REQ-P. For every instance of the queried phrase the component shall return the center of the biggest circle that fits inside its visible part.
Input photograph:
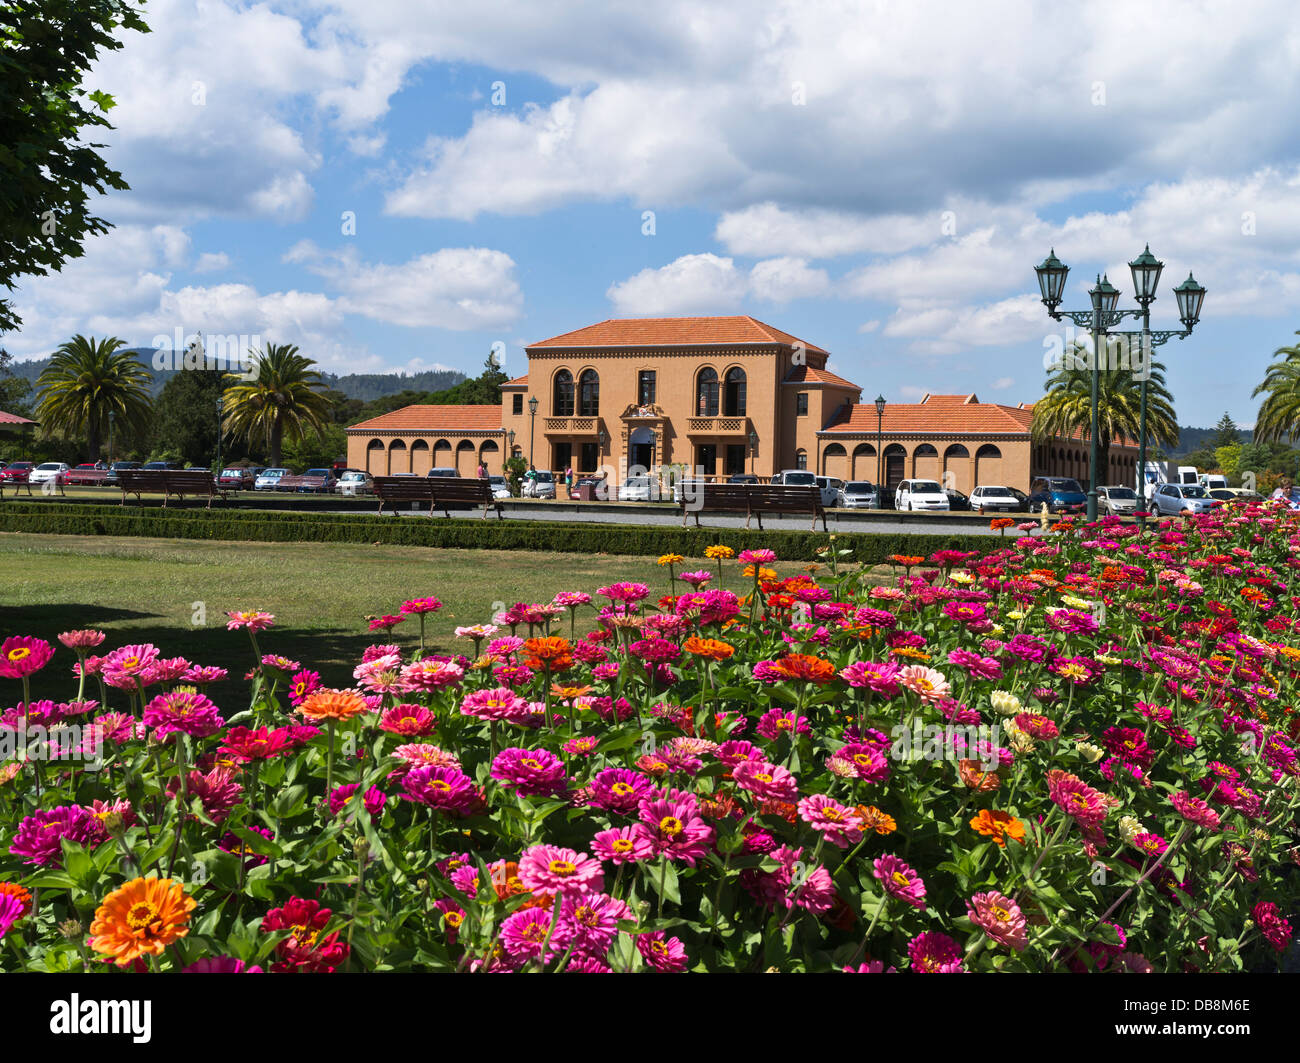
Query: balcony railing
(571, 425)
(717, 426)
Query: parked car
(87, 474)
(1172, 499)
(314, 482)
(443, 470)
(795, 478)
(160, 466)
(500, 486)
(1060, 493)
(110, 477)
(353, 482)
(957, 500)
(596, 483)
(269, 479)
(1020, 497)
(1211, 480)
(639, 489)
(830, 488)
(541, 487)
(1117, 501)
(237, 478)
(1235, 494)
(17, 472)
(859, 494)
(49, 472)
(920, 494)
(742, 478)
(994, 499)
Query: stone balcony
(718, 426)
(571, 426)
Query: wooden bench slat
(755, 500)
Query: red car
(17, 471)
(88, 474)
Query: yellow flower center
(622, 845)
(562, 867)
(900, 879)
(141, 917)
(19, 652)
(670, 825)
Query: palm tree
(86, 382)
(1279, 413)
(1066, 409)
(280, 400)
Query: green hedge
(456, 533)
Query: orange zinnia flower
(1001, 522)
(906, 560)
(144, 916)
(564, 693)
(874, 819)
(333, 705)
(551, 653)
(999, 826)
(803, 666)
(973, 775)
(20, 892)
(713, 649)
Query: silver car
(639, 489)
(1117, 501)
(270, 479)
(541, 487)
(1173, 499)
(355, 482)
(859, 494)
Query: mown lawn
(154, 590)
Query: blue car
(1061, 494)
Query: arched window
(733, 398)
(588, 394)
(706, 393)
(801, 459)
(562, 399)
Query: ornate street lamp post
(218, 470)
(880, 451)
(753, 448)
(532, 429)
(1099, 320)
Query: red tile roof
(518, 382)
(13, 418)
(949, 400)
(807, 374)
(421, 418)
(673, 332)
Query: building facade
(715, 396)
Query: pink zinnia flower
(524, 933)
(676, 828)
(432, 674)
(837, 823)
(221, 965)
(618, 789)
(373, 800)
(999, 917)
(252, 619)
(1076, 798)
(756, 557)
(589, 921)
(532, 772)
(771, 782)
(1275, 929)
(38, 839)
(181, 711)
(443, 788)
(421, 605)
(1194, 810)
(935, 953)
(500, 703)
(202, 675)
(83, 639)
(127, 668)
(899, 880)
(552, 869)
(775, 722)
(664, 954)
(21, 655)
(624, 845)
(410, 721)
(925, 683)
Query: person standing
(482, 469)
(568, 476)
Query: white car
(500, 486)
(994, 499)
(830, 488)
(1172, 499)
(639, 489)
(48, 472)
(541, 487)
(795, 478)
(270, 479)
(920, 494)
(354, 482)
(859, 494)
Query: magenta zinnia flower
(837, 823)
(253, 620)
(182, 711)
(444, 788)
(21, 655)
(551, 869)
(220, 965)
(935, 953)
(899, 880)
(624, 845)
(501, 703)
(39, 837)
(524, 933)
(421, 605)
(999, 917)
(589, 922)
(676, 828)
(768, 781)
(1194, 810)
(1275, 929)
(664, 954)
(340, 797)
(532, 772)
(11, 910)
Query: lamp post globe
(880, 457)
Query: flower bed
(1075, 752)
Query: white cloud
(1003, 382)
(454, 288)
(869, 326)
(691, 284)
(212, 262)
(779, 280)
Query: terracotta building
(718, 395)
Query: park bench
(753, 500)
(441, 492)
(178, 482)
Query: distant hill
(1190, 439)
(364, 386)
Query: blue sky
(877, 178)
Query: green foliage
(67, 518)
(186, 420)
(49, 164)
(316, 449)
(278, 400)
(87, 383)
(515, 469)
(15, 391)
(1225, 432)
(1228, 458)
(1279, 414)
